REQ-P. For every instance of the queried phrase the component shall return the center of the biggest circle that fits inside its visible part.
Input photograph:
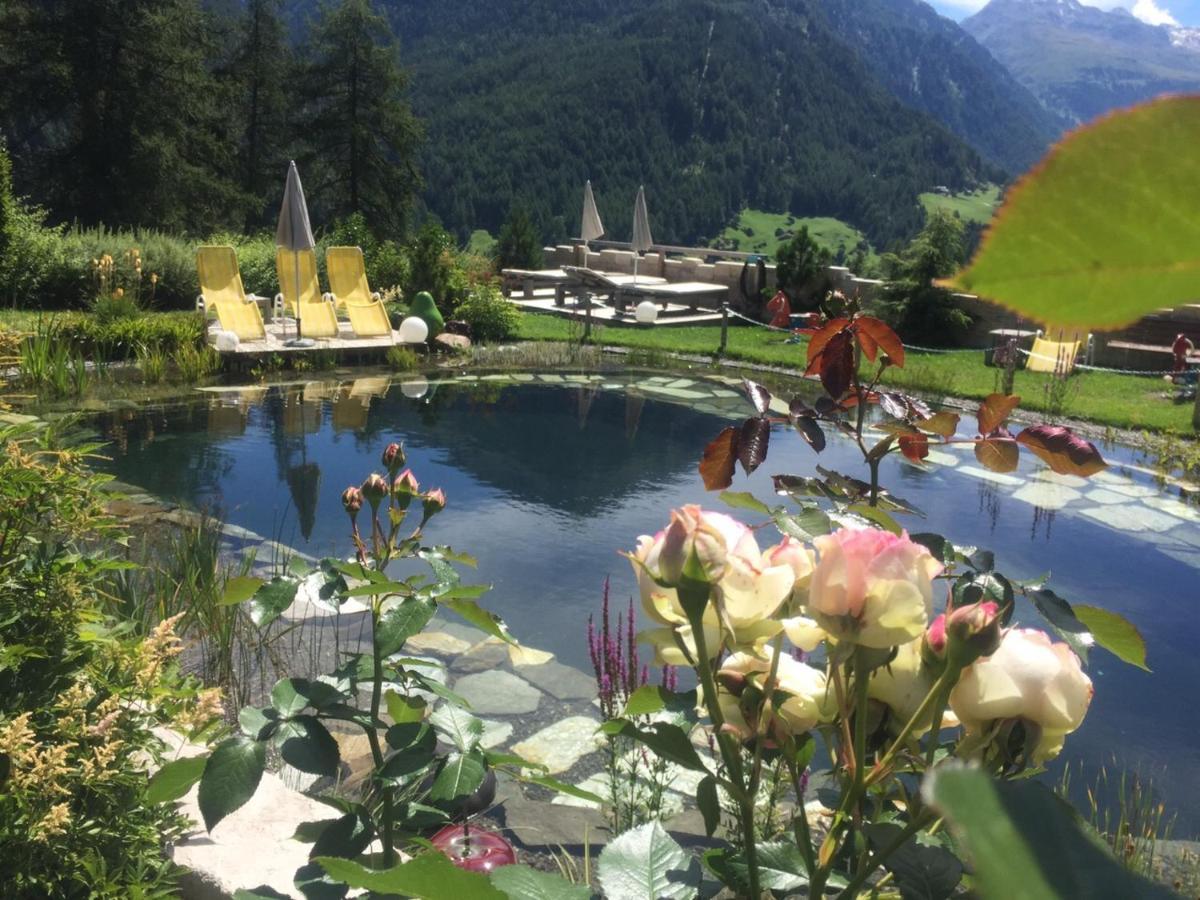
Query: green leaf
(230, 778)
(1114, 633)
(430, 876)
(373, 588)
(668, 741)
(808, 523)
(346, 837)
(744, 500)
(306, 744)
(524, 883)
(650, 698)
(645, 863)
(259, 724)
(404, 709)
(1061, 617)
(414, 744)
(476, 615)
(460, 775)
(562, 787)
(709, 803)
(780, 867)
(876, 515)
(262, 892)
(1102, 232)
(1025, 843)
(461, 592)
(922, 872)
(239, 589)
(401, 622)
(286, 699)
(462, 729)
(270, 600)
(175, 779)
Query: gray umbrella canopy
(642, 241)
(590, 229)
(294, 232)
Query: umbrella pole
(297, 296)
(636, 257)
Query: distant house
(942, 189)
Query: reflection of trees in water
(989, 504)
(1041, 517)
(173, 456)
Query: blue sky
(1183, 12)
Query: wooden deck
(280, 331)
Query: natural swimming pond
(549, 476)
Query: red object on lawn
(780, 308)
(474, 850)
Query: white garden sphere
(227, 341)
(413, 330)
(415, 389)
(647, 312)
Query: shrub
(801, 269)
(519, 246)
(77, 701)
(194, 363)
(490, 315)
(403, 359)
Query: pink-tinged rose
(902, 686)
(393, 457)
(711, 536)
(800, 559)
(871, 587)
(1028, 677)
(747, 588)
(374, 489)
(935, 636)
(808, 699)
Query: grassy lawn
(831, 234)
(977, 206)
(1122, 401)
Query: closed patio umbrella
(295, 234)
(590, 228)
(642, 241)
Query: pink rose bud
(972, 632)
(433, 503)
(404, 488)
(393, 457)
(935, 636)
(352, 501)
(374, 489)
(710, 536)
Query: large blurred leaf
(1104, 230)
(1115, 634)
(430, 876)
(524, 883)
(645, 863)
(1025, 843)
(230, 778)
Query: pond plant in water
(413, 789)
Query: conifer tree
(362, 136)
(519, 246)
(114, 114)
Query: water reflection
(548, 480)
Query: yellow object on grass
(1053, 357)
(221, 291)
(348, 284)
(316, 314)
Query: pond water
(549, 476)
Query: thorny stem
(943, 683)
(800, 826)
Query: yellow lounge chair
(317, 317)
(348, 285)
(221, 291)
(1053, 357)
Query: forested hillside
(715, 105)
(931, 64)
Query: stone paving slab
(503, 693)
(560, 746)
(559, 681)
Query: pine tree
(518, 246)
(261, 69)
(113, 113)
(361, 133)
